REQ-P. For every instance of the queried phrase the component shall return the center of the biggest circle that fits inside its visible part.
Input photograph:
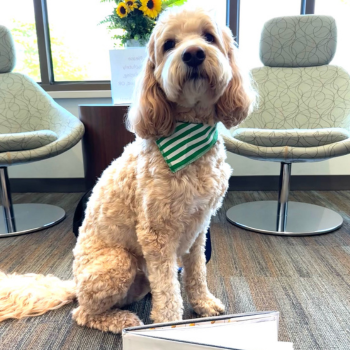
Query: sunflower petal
(122, 10)
(151, 8)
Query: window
(80, 47)
(253, 15)
(340, 10)
(219, 7)
(83, 54)
(61, 45)
(18, 16)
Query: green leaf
(170, 3)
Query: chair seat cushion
(291, 137)
(23, 141)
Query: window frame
(48, 82)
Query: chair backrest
(24, 106)
(7, 51)
(297, 87)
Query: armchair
(303, 116)
(32, 127)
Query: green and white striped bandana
(188, 143)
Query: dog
(143, 215)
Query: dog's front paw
(208, 306)
(110, 321)
(161, 316)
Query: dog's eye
(209, 38)
(168, 45)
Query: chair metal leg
(20, 219)
(282, 208)
(282, 217)
(6, 201)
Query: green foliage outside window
(66, 66)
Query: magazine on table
(251, 331)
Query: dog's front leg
(195, 279)
(160, 254)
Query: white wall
(70, 163)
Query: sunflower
(151, 8)
(122, 10)
(132, 4)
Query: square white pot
(126, 64)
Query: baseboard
(298, 183)
(236, 183)
(60, 185)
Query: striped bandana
(188, 143)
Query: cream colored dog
(141, 217)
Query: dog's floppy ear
(150, 114)
(233, 106)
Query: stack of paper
(126, 65)
(254, 331)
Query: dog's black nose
(193, 56)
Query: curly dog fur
(141, 218)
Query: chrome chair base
(30, 217)
(20, 219)
(302, 219)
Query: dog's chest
(197, 216)
(208, 183)
(204, 197)
(205, 191)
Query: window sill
(81, 94)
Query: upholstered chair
(32, 127)
(303, 115)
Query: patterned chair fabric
(27, 109)
(22, 141)
(303, 113)
(32, 125)
(7, 51)
(298, 41)
(288, 137)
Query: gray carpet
(306, 279)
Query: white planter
(126, 64)
(134, 43)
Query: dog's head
(191, 63)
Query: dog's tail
(32, 294)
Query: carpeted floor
(307, 279)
